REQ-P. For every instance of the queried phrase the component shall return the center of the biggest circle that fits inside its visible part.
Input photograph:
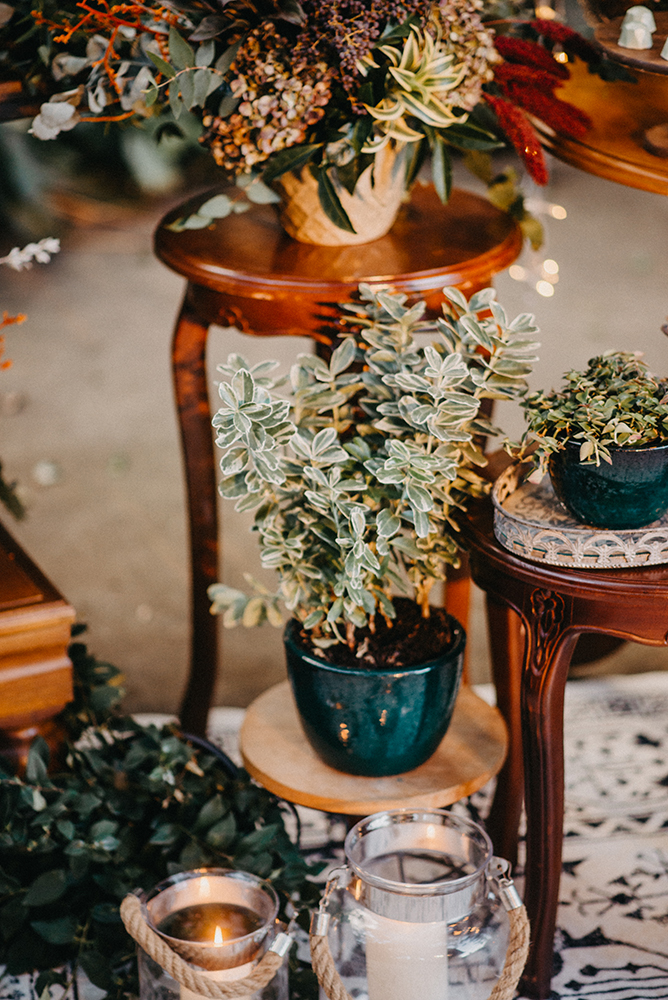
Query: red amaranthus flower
(526, 81)
(518, 129)
(508, 75)
(559, 115)
(570, 41)
(519, 50)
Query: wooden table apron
(555, 605)
(244, 271)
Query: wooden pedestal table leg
(189, 371)
(549, 646)
(507, 643)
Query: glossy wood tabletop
(621, 113)
(248, 258)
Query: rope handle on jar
(516, 952)
(189, 976)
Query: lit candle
(215, 919)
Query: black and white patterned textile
(612, 923)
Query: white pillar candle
(640, 15)
(635, 36)
(220, 976)
(406, 960)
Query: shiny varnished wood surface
(536, 613)
(276, 752)
(274, 285)
(621, 113)
(35, 670)
(244, 271)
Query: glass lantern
(218, 920)
(415, 912)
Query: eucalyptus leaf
(222, 834)
(181, 54)
(205, 52)
(59, 931)
(160, 64)
(47, 888)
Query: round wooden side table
(276, 753)
(621, 113)
(244, 271)
(554, 605)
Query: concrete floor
(88, 428)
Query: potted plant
(319, 92)
(604, 440)
(354, 475)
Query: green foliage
(615, 403)
(354, 476)
(132, 805)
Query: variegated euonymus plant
(615, 402)
(355, 475)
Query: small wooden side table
(244, 271)
(555, 605)
(621, 113)
(276, 753)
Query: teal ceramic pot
(374, 722)
(630, 493)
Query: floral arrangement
(278, 84)
(356, 473)
(615, 402)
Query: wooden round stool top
(277, 754)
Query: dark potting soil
(411, 640)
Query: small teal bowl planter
(375, 722)
(630, 493)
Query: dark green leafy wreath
(130, 805)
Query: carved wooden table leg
(507, 648)
(189, 369)
(550, 641)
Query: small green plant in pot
(603, 438)
(354, 476)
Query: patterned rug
(612, 924)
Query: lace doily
(530, 522)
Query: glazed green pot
(630, 493)
(374, 722)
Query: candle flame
(218, 936)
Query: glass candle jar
(419, 916)
(220, 921)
